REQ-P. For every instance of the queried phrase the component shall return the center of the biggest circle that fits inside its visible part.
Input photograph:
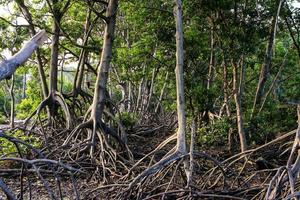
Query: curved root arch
(53, 98)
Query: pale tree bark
(102, 76)
(130, 96)
(287, 176)
(267, 61)
(154, 73)
(237, 98)
(162, 92)
(225, 107)
(180, 148)
(9, 66)
(140, 90)
(12, 102)
(62, 63)
(24, 82)
(124, 100)
(181, 143)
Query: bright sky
(296, 4)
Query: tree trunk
(154, 73)
(225, 105)
(12, 104)
(102, 76)
(62, 73)
(239, 113)
(267, 61)
(162, 92)
(181, 143)
(83, 54)
(140, 90)
(129, 108)
(28, 17)
(54, 52)
(212, 59)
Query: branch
(6, 190)
(8, 67)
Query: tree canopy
(116, 83)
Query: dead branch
(9, 66)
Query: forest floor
(244, 176)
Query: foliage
(127, 119)
(145, 41)
(32, 100)
(214, 133)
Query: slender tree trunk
(145, 94)
(226, 104)
(124, 100)
(102, 76)
(42, 75)
(239, 113)
(181, 143)
(140, 90)
(212, 59)
(54, 53)
(154, 73)
(12, 104)
(162, 92)
(129, 108)
(267, 61)
(62, 74)
(83, 54)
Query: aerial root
(283, 183)
(174, 160)
(39, 166)
(101, 148)
(54, 97)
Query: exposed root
(101, 147)
(52, 100)
(284, 182)
(39, 166)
